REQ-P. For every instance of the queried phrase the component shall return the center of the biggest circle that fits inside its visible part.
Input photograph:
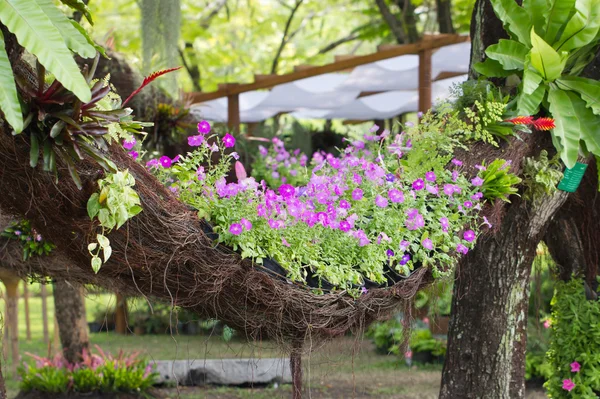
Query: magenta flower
(487, 222)
(374, 128)
(345, 204)
(38, 238)
(468, 204)
(214, 147)
(153, 163)
(381, 201)
(128, 145)
(165, 161)
(246, 223)
(462, 249)
(415, 220)
(430, 176)
(457, 162)
(477, 181)
(432, 189)
(445, 224)
(480, 167)
(418, 184)
(477, 196)
(284, 242)
(235, 229)
(195, 141)
(568, 385)
(454, 175)
(134, 154)
(427, 243)
(200, 173)
(18, 233)
(575, 367)
(287, 190)
(469, 235)
(396, 195)
(404, 245)
(203, 127)
(345, 226)
(547, 324)
(240, 171)
(228, 140)
(357, 194)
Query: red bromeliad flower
(544, 124)
(521, 120)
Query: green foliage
(498, 182)
(542, 175)
(553, 41)
(49, 35)
(31, 240)
(386, 335)
(575, 338)
(423, 341)
(44, 379)
(537, 366)
(116, 203)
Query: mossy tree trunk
(69, 307)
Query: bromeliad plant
(32, 241)
(391, 202)
(551, 43)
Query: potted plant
(425, 348)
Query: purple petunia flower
(418, 184)
(235, 229)
(134, 154)
(477, 181)
(18, 233)
(374, 128)
(228, 140)
(415, 220)
(404, 245)
(430, 176)
(203, 127)
(445, 224)
(345, 204)
(389, 253)
(480, 167)
(200, 173)
(246, 223)
(396, 196)
(457, 162)
(128, 145)
(345, 226)
(195, 141)
(153, 163)
(357, 194)
(568, 385)
(405, 259)
(462, 249)
(409, 124)
(468, 204)
(454, 175)
(165, 161)
(477, 196)
(469, 235)
(390, 177)
(263, 151)
(284, 242)
(487, 222)
(287, 190)
(432, 189)
(427, 243)
(381, 201)
(419, 114)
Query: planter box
(422, 357)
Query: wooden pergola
(424, 49)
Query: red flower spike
(147, 80)
(521, 120)
(544, 124)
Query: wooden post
(44, 295)
(26, 301)
(121, 314)
(296, 369)
(233, 113)
(12, 317)
(424, 80)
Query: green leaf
(91, 42)
(492, 68)
(558, 14)
(538, 12)
(531, 80)
(80, 6)
(34, 151)
(589, 90)
(35, 32)
(96, 264)
(72, 37)
(9, 99)
(92, 247)
(93, 205)
(566, 134)
(529, 104)
(107, 251)
(103, 241)
(509, 53)
(516, 20)
(589, 124)
(545, 59)
(583, 26)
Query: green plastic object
(572, 178)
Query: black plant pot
(95, 327)
(315, 281)
(391, 275)
(273, 268)
(422, 357)
(370, 284)
(208, 230)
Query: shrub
(101, 373)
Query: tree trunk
(26, 303)
(70, 315)
(444, 16)
(44, 296)
(121, 314)
(11, 319)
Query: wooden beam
(414, 48)
(425, 80)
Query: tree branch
(333, 45)
(444, 16)
(206, 21)
(390, 19)
(284, 38)
(192, 70)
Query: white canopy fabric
(336, 95)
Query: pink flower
(165, 161)
(457, 162)
(547, 324)
(432, 189)
(284, 242)
(228, 141)
(418, 184)
(568, 385)
(477, 181)
(287, 190)
(364, 290)
(345, 226)
(374, 128)
(408, 354)
(426, 320)
(357, 194)
(128, 145)
(246, 223)
(200, 173)
(381, 201)
(133, 154)
(469, 235)
(396, 195)
(427, 243)
(462, 249)
(445, 224)
(240, 171)
(430, 176)
(203, 127)
(195, 141)
(575, 367)
(235, 229)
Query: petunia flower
(373, 129)
(395, 195)
(203, 127)
(432, 189)
(469, 235)
(195, 141)
(235, 229)
(381, 201)
(284, 242)
(427, 243)
(418, 184)
(134, 154)
(404, 260)
(228, 140)
(246, 223)
(568, 385)
(287, 190)
(547, 323)
(462, 249)
(445, 224)
(165, 161)
(430, 176)
(456, 162)
(389, 253)
(477, 181)
(575, 367)
(128, 145)
(357, 194)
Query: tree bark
(69, 308)
(444, 16)
(394, 24)
(11, 319)
(121, 314)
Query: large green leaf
(74, 39)
(492, 68)
(80, 6)
(589, 124)
(516, 19)
(545, 59)
(538, 12)
(35, 32)
(583, 26)
(558, 14)
(529, 104)
(588, 89)
(531, 79)
(9, 99)
(511, 54)
(567, 133)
